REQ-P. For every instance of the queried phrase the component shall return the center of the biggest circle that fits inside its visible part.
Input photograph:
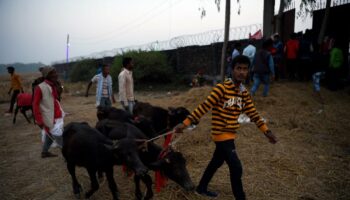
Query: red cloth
(257, 35)
(292, 48)
(272, 50)
(24, 99)
(36, 104)
(127, 171)
(159, 178)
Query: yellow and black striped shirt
(227, 102)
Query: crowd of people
(301, 58)
(46, 95)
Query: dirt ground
(311, 160)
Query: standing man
(263, 68)
(250, 51)
(227, 101)
(40, 79)
(126, 85)
(47, 110)
(291, 50)
(235, 53)
(16, 87)
(336, 61)
(279, 68)
(104, 91)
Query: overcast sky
(36, 30)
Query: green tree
(149, 67)
(83, 70)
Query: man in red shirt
(47, 110)
(291, 51)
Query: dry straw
(310, 161)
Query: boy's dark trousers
(225, 151)
(13, 99)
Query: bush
(83, 70)
(149, 67)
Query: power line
(131, 24)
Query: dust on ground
(310, 161)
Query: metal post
(67, 50)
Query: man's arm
(272, 138)
(215, 95)
(93, 80)
(122, 90)
(250, 111)
(88, 88)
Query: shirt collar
(128, 71)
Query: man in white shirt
(250, 51)
(104, 90)
(126, 85)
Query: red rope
(160, 179)
(128, 172)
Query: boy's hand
(179, 128)
(272, 138)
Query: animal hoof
(138, 196)
(77, 191)
(87, 195)
(77, 196)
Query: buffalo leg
(100, 176)
(76, 186)
(23, 111)
(138, 192)
(147, 180)
(94, 184)
(111, 183)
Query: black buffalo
(87, 147)
(172, 164)
(162, 120)
(115, 114)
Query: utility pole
(67, 60)
(67, 50)
(226, 37)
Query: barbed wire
(205, 38)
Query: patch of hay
(310, 161)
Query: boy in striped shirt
(227, 101)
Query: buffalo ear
(113, 146)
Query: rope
(159, 136)
(53, 139)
